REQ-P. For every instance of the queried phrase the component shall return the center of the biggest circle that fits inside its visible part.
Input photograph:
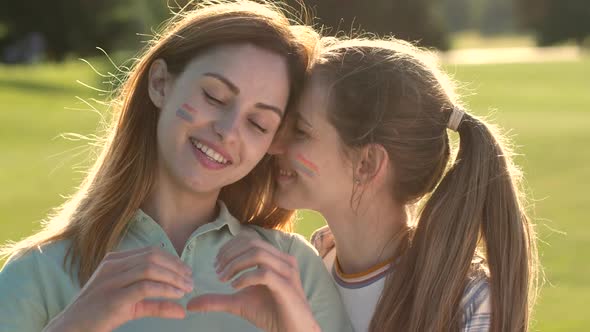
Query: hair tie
(455, 118)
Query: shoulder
(37, 265)
(47, 254)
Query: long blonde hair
(391, 93)
(95, 217)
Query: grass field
(545, 106)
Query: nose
(226, 126)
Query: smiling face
(315, 173)
(219, 116)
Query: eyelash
(301, 134)
(260, 128)
(211, 99)
(219, 102)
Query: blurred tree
(497, 17)
(556, 20)
(457, 13)
(415, 20)
(79, 26)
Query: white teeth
(286, 173)
(209, 152)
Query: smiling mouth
(286, 176)
(287, 173)
(209, 152)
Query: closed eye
(299, 133)
(258, 127)
(212, 99)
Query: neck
(179, 211)
(368, 236)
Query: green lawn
(546, 106)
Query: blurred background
(525, 62)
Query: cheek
(254, 147)
(305, 165)
(186, 112)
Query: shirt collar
(144, 224)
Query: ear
(158, 80)
(372, 164)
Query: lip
(285, 179)
(204, 160)
(216, 148)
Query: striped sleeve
(476, 306)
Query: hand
(270, 296)
(119, 289)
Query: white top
(361, 292)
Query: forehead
(250, 68)
(314, 103)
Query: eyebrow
(225, 81)
(277, 110)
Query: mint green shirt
(35, 288)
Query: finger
(115, 262)
(153, 272)
(263, 277)
(229, 248)
(253, 257)
(239, 245)
(161, 258)
(214, 303)
(283, 290)
(160, 309)
(142, 290)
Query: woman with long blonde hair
(418, 239)
(183, 170)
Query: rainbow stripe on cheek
(305, 166)
(184, 112)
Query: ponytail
(476, 205)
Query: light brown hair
(97, 215)
(390, 93)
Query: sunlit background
(525, 62)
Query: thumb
(161, 309)
(215, 303)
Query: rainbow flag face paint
(305, 166)
(185, 112)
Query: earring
(357, 181)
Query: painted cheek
(305, 165)
(186, 112)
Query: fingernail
(189, 284)
(179, 291)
